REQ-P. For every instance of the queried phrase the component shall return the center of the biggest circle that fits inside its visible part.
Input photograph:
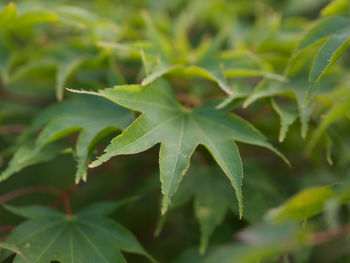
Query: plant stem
(330, 234)
(29, 190)
(67, 206)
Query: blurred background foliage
(239, 52)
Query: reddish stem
(330, 234)
(6, 228)
(66, 202)
(12, 129)
(29, 190)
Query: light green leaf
(239, 91)
(287, 117)
(336, 7)
(161, 44)
(294, 88)
(158, 72)
(8, 15)
(179, 130)
(334, 32)
(130, 50)
(329, 147)
(326, 57)
(204, 65)
(92, 117)
(214, 74)
(262, 242)
(49, 235)
(340, 109)
(303, 205)
(242, 73)
(204, 71)
(64, 70)
(34, 17)
(30, 67)
(264, 89)
(325, 28)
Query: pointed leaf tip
(165, 204)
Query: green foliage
(49, 235)
(174, 89)
(165, 120)
(93, 119)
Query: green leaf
(336, 7)
(329, 146)
(13, 248)
(158, 72)
(326, 57)
(30, 67)
(332, 30)
(287, 118)
(205, 65)
(180, 131)
(27, 155)
(241, 73)
(325, 28)
(211, 73)
(34, 17)
(294, 88)
(262, 242)
(303, 205)
(86, 236)
(8, 15)
(340, 109)
(212, 198)
(92, 117)
(240, 90)
(64, 70)
(264, 89)
(161, 44)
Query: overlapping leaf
(11, 19)
(180, 130)
(334, 32)
(175, 55)
(92, 117)
(87, 236)
(294, 88)
(303, 205)
(213, 198)
(287, 117)
(340, 109)
(261, 242)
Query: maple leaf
(92, 117)
(87, 236)
(213, 198)
(334, 32)
(180, 130)
(294, 89)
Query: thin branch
(188, 100)
(6, 228)
(66, 201)
(328, 235)
(29, 190)
(12, 129)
